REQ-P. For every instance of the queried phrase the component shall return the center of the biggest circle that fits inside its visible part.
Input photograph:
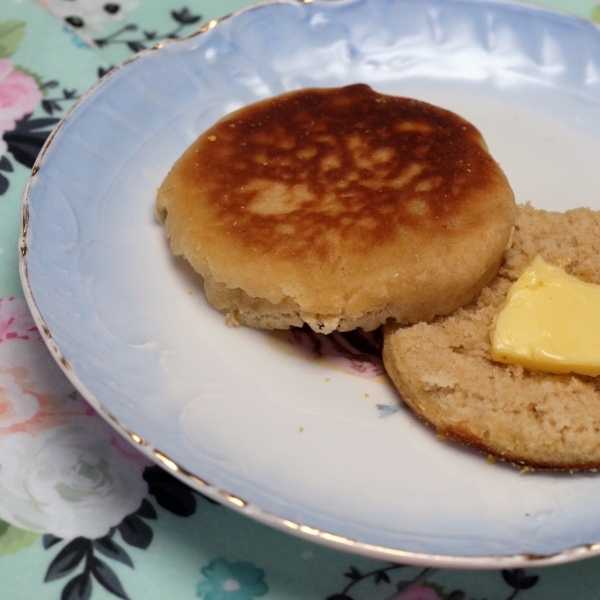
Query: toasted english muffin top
(342, 201)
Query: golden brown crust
(444, 372)
(340, 202)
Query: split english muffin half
(444, 371)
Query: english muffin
(444, 371)
(338, 208)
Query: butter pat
(550, 321)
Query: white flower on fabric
(89, 14)
(68, 480)
(63, 470)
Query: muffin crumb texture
(444, 371)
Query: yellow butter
(550, 321)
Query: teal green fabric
(40, 32)
(581, 8)
(184, 548)
(179, 544)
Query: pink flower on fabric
(19, 95)
(15, 320)
(22, 409)
(419, 592)
(34, 394)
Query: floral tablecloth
(82, 515)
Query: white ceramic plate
(297, 444)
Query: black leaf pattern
(3, 184)
(24, 148)
(135, 46)
(49, 85)
(26, 139)
(146, 510)
(353, 573)
(518, 579)
(170, 493)
(102, 71)
(185, 17)
(49, 106)
(176, 499)
(107, 578)
(73, 554)
(27, 124)
(381, 576)
(48, 540)
(79, 588)
(135, 532)
(112, 550)
(67, 559)
(5, 164)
